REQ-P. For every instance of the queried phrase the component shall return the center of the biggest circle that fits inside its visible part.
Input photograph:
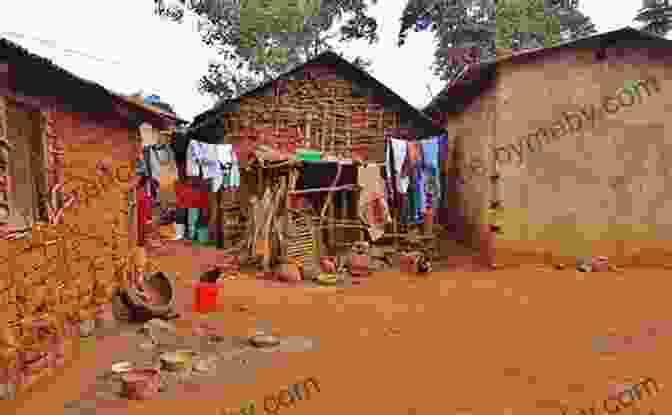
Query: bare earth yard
(512, 341)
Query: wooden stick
(343, 226)
(326, 189)
(332, 214)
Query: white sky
(167, 59)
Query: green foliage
(260, 39)
(655, 16)
(274, 16)
(517, 18)
(467, 31)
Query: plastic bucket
(206, 297)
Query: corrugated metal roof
(17, 55)
(481, 73)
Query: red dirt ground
(511, 341)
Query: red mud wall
(66, 271)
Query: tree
(259, 39)
(467, 31)
(525, 24)
(655, 16)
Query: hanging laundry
(164, 153)
(390, 176)
(228, 163)
(141, 169)
(235, 171)
(395, 161)
(179, 145)
(193, 216)
(181, 223)
(414, 153)
(373, 209)
(431, 156)
(194, 155)
(201, 160)
(444, 148)
(188, 196)
(430, 152)
(410, 202)
(144, 209)
(152, 187)
(418, 207)
(212, 169)
(152, 162)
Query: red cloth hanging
(188, 197)
(144, 206)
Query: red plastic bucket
(206, 297)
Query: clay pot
(408, 263)
(328, 264)
(600, 264)
(360, 265)
(141, 384)
(288, 273)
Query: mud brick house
(67, 159)
(568, 145)
(326, 104)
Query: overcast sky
(142, 52)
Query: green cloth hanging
(193, 214)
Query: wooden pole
(325, 125)
(307, 137)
